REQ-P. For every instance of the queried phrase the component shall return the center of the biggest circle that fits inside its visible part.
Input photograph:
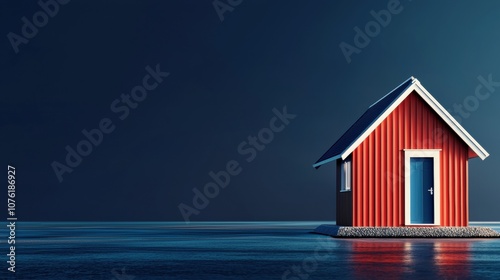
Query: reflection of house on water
(415, 259)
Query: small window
(346, 175)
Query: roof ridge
(413, 80)
(365, 124)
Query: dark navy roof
(363, 123)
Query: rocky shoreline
(406, 232)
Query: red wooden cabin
(404, 162)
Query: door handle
(431, 190)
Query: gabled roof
(379, 110)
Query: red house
(403, 162)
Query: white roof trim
(326, 161)
(434, 104)
(411, 78)
(380, 118)
(443, 113)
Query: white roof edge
(432, 102)
(326, 161)
(379, 119)
(410, 78)
(446, 116)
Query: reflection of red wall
(399, 259)
(452, 259)
(378, 259)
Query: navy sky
(227, 71)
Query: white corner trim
(415, 153)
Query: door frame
(420, 153)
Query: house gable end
(377, 113)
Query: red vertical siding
(365, 186)
(388, 182)
(377, 188)
(371, 187)
(378, 166)
(466, 182)
(383, 166)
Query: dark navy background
(225, 79)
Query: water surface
(238, 250)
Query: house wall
(344, 202)
(378, 167)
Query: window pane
(342, 176)
(348, 174)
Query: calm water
(237, 250)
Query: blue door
(421, 191)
